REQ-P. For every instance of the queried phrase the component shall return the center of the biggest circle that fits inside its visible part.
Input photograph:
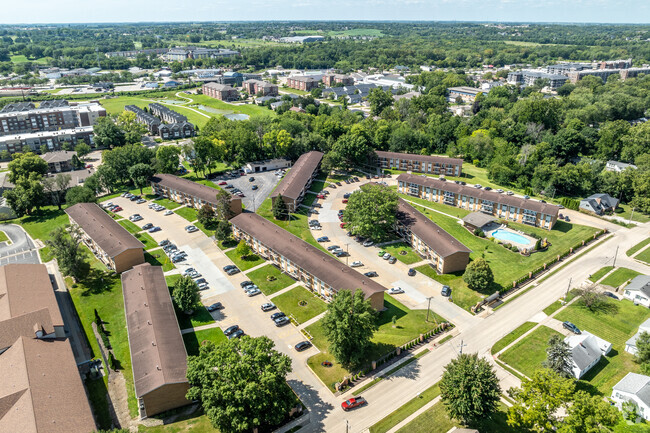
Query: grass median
(300, 303)
(250, 261)
(619, 277)
(189, 213)
(270, 279)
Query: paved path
(312, 320)
(286, 289)
(433, 210)
(200, 328)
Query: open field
(528, 354)
(22, 59)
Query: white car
(395, 291)
(168, 213)
(356, 264)
(191, 229)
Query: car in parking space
(446, 291)
(526, 197)
(368, 243)
(611, 295)
(338, 183)
(571, 327)
(107, 205)
(203, 286)
(342, 225)
(321, 196)
(381, 253)
(478, 185)
(510, 193)
(228, 267)
(147, 226)
(345, 200)
(191, 229)
(281, 321)
(487, 188)
(411, 272)
(346, 195)
(167, 213)
(230, 330)
(253, 292)
(316, 227)
(194, 275)
(250, 287)
(251, 179)
(500, 191)
(353, 402)
(237, 334)
(116, 209)
(333, 247)
(395, 290)
(134, 198)
(323, 239)
(268, 306)
(163, 243)
(356, 264)
(135, 218)
(223, 182)
(277, 315)
(303, 345)
(214, 307)
(254, 187)
(140, 201)
(188, 271)
(339, 253)
(228, 186)
(371, 274)
(392, 260)
(154, 229)
(178, 259)
(246, 283)
(386, 256)
(232, 271)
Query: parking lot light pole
(347, 254)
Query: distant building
(432, 164)
(172, 131)
(604, 74)
(295, 184)
(331, 79)
(166, 114)
(59, 161)
(529, 78)
(618, 166)
(52, 140)
(180, 54)
(220, 91)
(132, 54)
(599, 203)
(266, 165)
(633, 388)
(630, 345)
(258, 87)
(302, 82)
(638, 291)
(301, 39)
(229, 78)
(149, 120)
(49, 116)
(586, 351)
(171, 84)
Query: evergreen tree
(279, 209)
(558, 356)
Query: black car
(611, 295)
(147, 226)
(216, 306)
(487, 188)
(231, 329)
(246, 283)
(303, 345)
(346, 195)
(232, 271)
(277, 315)
(446, 291)
(371, 274)
(237, 334)
(229, 267)
(251, 179)
(411, 272)
(571, 327)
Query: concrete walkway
(200, 328)
(286, 289)
(261, 265)
(433, 210)
(312, 320)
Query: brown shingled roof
(316, 262)
(294, 182)
(429, 232)
(158, 353)
(104, 230)
(495, 197)
(25, 325)
(41, 390)
(198, 190)
(420, 158)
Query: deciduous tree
(206, 215)
(167, 159)
(588, 414)
(82, 149)
(108, 134)
(186, 294)
(80, 194)
(242, 249)
(65, 245)
(24, 164)
(222, 209)
(223, 230)
(478, 275)
(140, 175)
(56, 187)
(371, 212)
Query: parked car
(202, 280)
(395, 290)
(116, 209)
(323, 239)
(526, 197)
(254, 187)
(446, 291)
(268, 306)
(500, 191)
(147, 226)
(154, 229)
(371, 274)
(303, 345)
(345, 200)
(231, 329)
(246, 283)
(202, 286)
(510, 193)
(566, 218)
(411, 272)
(333, 247)
(168, 213)
(228, 267)
(253, 292)
(216, 306)
(140, 201)
(340, 253)
(237, 334)
(251, 179)
(346, 195)
(368, 243)
(228, 186)
(356, 264)
(381, 253)
(164, 243)
(188, 270)
(191, 229)
(232, 271)
(611, 295)
(571, 327)
(353, 403)
(281, 321)
(386, 256)
(342, 225)
(320, 196)
(392, 260)
(277, 315)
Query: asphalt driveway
(21, 249)
(265, 182)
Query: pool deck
(491, 228)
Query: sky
(96, 11)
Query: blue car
(323, 239)
(154, 229)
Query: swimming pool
(507, 235)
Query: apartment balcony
(448, 200)
(529, 219)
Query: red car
(343, 225)
(117, 209)
(353, 402)
(223, 182)
(345, 200)
(320, 196)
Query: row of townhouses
(178, 128)
(296, 183)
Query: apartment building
(529, 78)
(332, 79)
(59, 161)
(190, 193)
(111, 243)
(467, 94)
(321, 273)
(445, 252)
(166, 114)
(37, 364)
(52, 140)
(604, 74)
(173, 131)
(512, 208)
(302, 82)
(295, 184)
(149, 120)
(222, 92)
(180, 54)
(259, 87)
(431, 164)
(49, 116)
(158, 356)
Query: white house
(638, 291)
(618, 166)
(586, 350)
(636, 388)
(630, 345)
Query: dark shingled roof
(421, 158)
(111, 237)
(429, 232)
(323, 266)
(203, 192)
(294, 182)
(493, 196)
(478, 219)
(158, 354)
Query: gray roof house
(630, 345)
(618, 166)
(586, 350)
(636, 388)
(638, 291)
(599, 203)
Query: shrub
(270, 278)
(111, 361)
(514, 249)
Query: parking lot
(265, 182)
(21, 249)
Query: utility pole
(615, 254)
(347, 426)
(568, 287)
(460, 347)
(631, 215)
(428, 307)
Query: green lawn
(159, 258)
(600, 273)
(290, 90)
(401, 413)
(43, 222)
(449, 210)
(146, 239)
(616, 323)
(528, 354)
(189, 213)
(644, 256)
(460, 293)
(169, 204)
(356, 32)
(409, 258)
(259, 277)
(619, 276)
(300, 303)
(129, 226)
(20, 58)
(627, 212)
(193, 423)
(250, 261)
(509, 338)
(97, 395)
(409, 325)
(4, 238)
(193, 340)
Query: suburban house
(318, 271)
(638, 291)
(267, 164)
(467, 94)
(445, 252)
(516, 209)
(295, 184)
(586, 350)
(58, 161)
(432, 164)
(37, 364)
(599, 203)
(630, 345)
(331, 79)
(190, 193)
(158, 355)
(111, 243)
(222, 92)
(635, 388)
(259, 87)
(618, 166)
(302, 82)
